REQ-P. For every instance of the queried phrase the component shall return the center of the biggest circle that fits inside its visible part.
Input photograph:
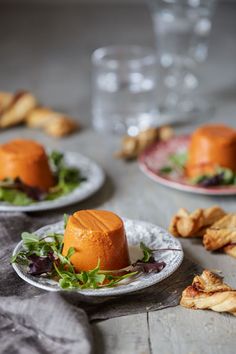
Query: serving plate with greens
(77, 177)
(154, 253)
(164, 162)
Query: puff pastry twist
(209, 292)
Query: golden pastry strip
(185, 224)
(132, 146)
(209, 292)
(221, 233)
(53, 123)
(17, 108)
(61, 126)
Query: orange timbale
(27, 160)
(211, 146)
(96, 235)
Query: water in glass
(125, 98)
(182, 29)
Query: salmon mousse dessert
(26, 160)
(28, 174)
(96, 235)
(210, 158)
(211, 146)
(90, 251)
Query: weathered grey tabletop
(46, 49)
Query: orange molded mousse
(26, 160)
(96, 235)
(211, 146)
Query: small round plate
(94, 180)
(156, 157)
(136, 231)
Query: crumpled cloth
(34, 321)
(37, 321)
(45, 324)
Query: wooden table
(46, 49)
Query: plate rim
(213, 191)
(98, 183)
(96, 292)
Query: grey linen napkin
(36, 321)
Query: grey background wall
(47, 48)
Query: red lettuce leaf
(40, 265)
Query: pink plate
(156, 157)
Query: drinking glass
(182, 29)
(124, 89)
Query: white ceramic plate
(94, 180)
(152, 235)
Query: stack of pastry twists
(209, 292)
(185, 224)
(217, 228)
(22, 107)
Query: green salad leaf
(229, 177)
(68, 178)
(14, 196)
(65, 219)
(179, 159)
(176, 162)
(56, 159)
(165, 170)
(147, 252)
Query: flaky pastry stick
(53, 123)
(209, 292)
(61, 126)
(185, 224)
(17, 109)
(221, 233)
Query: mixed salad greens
(221, 177)
(67, 178)
(43, 257)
